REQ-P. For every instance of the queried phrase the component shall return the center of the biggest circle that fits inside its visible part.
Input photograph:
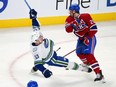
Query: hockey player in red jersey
(85, 29)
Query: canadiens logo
(82, 25)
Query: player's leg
(89, 54)
(58, 61)
(35, 67)
(64, 62)
(95, 66)
(79, 51)
(81, 55)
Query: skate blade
(101, 81)
(66, 68)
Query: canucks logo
(3, 5)
(46, 43)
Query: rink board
(52, 20)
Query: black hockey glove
(33, 14)
(47, 73)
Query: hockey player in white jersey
(43, 52)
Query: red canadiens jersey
(86, 26)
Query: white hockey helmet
(35, 35)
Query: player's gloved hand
(86, 41)
(33, 14)
(74, 24)
(47, 73)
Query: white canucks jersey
(43, 52)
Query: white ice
(16, 60)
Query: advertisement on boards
(12, 9)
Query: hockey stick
(58, 49)
(69, 53)
(27, 4)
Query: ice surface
(16, 60)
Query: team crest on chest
(82, 25)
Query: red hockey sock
(93, 62)
(82, 57)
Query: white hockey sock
(83, 67)
(72, 65)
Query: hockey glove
(86, 41)
(74, 24)
(47, 73)
(33, 14)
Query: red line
(11, 68)
(20, 56)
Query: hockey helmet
(74, 7)
(32, 84)
(35, 36)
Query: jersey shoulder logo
(46, 43)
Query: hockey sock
(72, 65)
(83, 58)
(93, 62)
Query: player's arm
(69, 24)
(81, 32)
(91, 25)
(48, 42)
(93, 30)
(35, 22)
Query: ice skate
(100, 77)
(33, 70)
(85, 68)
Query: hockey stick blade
(27, 4)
